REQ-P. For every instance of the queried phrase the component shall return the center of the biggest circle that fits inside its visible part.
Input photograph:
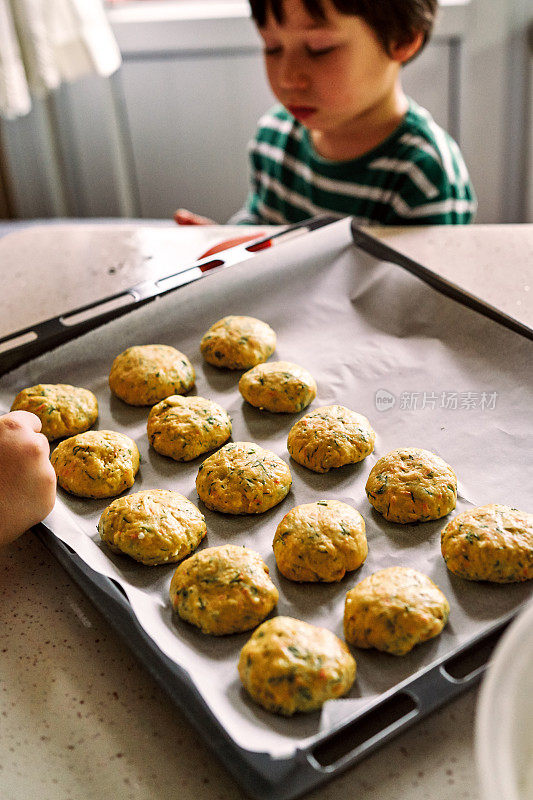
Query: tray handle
(401, 707)
(23, 345)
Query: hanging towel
(46, 42)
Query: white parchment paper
(426, 372)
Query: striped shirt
(416, 176)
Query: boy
(346, 140)
(27, 478)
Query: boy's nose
(291, 74)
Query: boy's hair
(393, 21)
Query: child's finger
(24, 418)
(184, 217)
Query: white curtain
(46, 42)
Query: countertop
(80, 717)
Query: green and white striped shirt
(417, 176)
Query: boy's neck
(365, 133)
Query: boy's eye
(320, 51)
(313, 52)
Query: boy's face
(328, 73)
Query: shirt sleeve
(433, 190)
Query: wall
(496, 100)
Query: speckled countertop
(80, 718)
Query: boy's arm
(27, 478)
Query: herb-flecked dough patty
(145, 374)
(185, 427)
(490, 543)
(243, 478)
(155, 526)
(64, 410)
(96, 463)
(278, 386)
(320, 541)
(289, 666)
(223, 590)
(393, 610)
(329, 437)
(237, 342)
(412, 485)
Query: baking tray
(398, 321)
(20, 346)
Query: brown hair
(393, 21)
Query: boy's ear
(406, 50)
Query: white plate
(504, 725)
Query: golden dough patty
(145, 374)
(320, 541)
(223, 590)
(278, 386)
(238, 342)
(243, 478)
(393, 610)
(64, 410)
(330, 437)
(185, 427)
(412, 485)
(490, 543)
(288, 665)
(155, 526)
(96, 463)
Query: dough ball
(243, 478)
(223, 590)
(96, 463)
(393, 610)
(412, 485)
(185, 427)
(490, 543)
(330, 437)
(278, 386)
(238, 342)
(288, 665)
(320, 541)
(64, 410)
(145, 374)
(154, 526)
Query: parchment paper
(426, 372)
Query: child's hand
(27, 478)
(184, 217)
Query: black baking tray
(329, 753)
(21, 346)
